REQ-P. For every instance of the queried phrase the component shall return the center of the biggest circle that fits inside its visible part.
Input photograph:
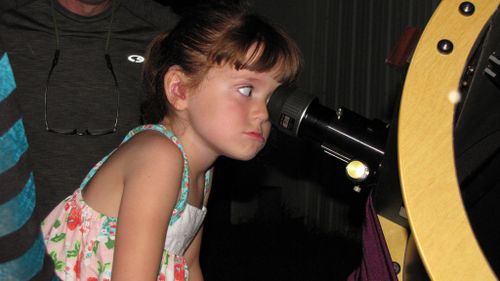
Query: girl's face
(228, 112)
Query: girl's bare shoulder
(150, 152)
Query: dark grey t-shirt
(81, 93)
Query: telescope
(341, 133)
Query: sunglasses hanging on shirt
(109, 66)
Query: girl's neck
(85, 9)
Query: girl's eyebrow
(249, 79)
(245, 76)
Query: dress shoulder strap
(130, 134)
(181, 203)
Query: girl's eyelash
(246, 90)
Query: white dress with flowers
(81, 240)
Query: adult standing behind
(77, 65)
(22, 254)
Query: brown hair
(217, 35)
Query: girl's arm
(192, 254)
(152, 179)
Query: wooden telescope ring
(431, 194)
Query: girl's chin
(244, 156)
(244, 153)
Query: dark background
(291, 214)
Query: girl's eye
(246, 91)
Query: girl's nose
(260, 111)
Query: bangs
(253, 46)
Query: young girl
(138, 214)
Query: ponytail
(154, 108)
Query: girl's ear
(175, 83)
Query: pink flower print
(92, 279)
(91, 245)
(76, 268)
(84, 228)
(112, 228)
(74, 218)
(162, 277)
(178, 272)
(70, 203)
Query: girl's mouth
(256, 135)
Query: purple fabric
(376, 264)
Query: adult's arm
(22, 254)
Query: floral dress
(81, 240)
